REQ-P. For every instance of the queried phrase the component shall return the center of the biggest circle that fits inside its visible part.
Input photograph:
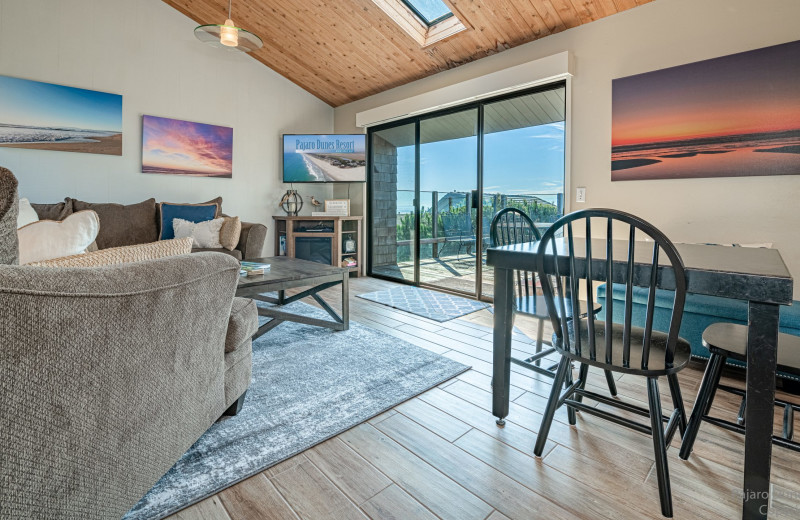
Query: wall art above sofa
(175, 147)
(45, 116)
(733, 116)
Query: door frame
(416, 119)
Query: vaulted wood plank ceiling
(345, 50)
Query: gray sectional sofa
(108, 375)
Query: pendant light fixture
(228, 36)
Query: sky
(33, 103)
(528, 160)
(430, 9)
(755, 91)
(172, 143)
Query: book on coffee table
(253, 268)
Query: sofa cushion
(27, 214)
(123, 225)
(9, 207)
(230, 233)
(204, 234)
(168, 211)
(47, 239)
(123, 255)
(58, 211)
(242, 324)
(234, 253)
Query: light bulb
(228, 35)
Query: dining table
(756, 275)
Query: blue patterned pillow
(191, 212)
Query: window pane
(430, 10)
(523, 158)
(393, 181)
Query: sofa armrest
(102, 368)
(251, 241)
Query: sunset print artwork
(175, 147)
(733, 116)
(45, 116)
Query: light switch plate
(580, 195)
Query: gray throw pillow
(123, 225)
(9, 208)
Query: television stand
(326, 240)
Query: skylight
(430, 11)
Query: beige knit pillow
(124, 254)
(230, 233)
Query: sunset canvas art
(733, 116)
(175, 147)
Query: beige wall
(146, 51)
(661, 34)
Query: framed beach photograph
(177, 147)
(733, 116)
(45, 116)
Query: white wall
(146, 51)
(657, 35)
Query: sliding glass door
(448, 179)
(523, 159)
(437, 180)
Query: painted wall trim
(526, 75)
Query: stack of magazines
(253, 268)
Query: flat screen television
(324, 158)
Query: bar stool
(729, 340)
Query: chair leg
(539, 339)
(702, 404)
(677, 402)
(717, 377)
(583, 374)
(659, 447)
(571, 416)
(612, 385)
(552, 406)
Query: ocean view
(33, 134)
(771, 153)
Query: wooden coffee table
(288, 273)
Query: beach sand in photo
(111, 145)
(334, 174)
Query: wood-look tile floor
(440, 455)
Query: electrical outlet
(580, 195)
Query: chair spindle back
(567, 258)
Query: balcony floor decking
(441, 455)
(452, 272)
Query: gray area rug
(309, 384)
(423, 302)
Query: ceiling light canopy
(228, 36)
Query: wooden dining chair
(729, 340)
(513, 226)
(617, 347)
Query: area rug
(309, 384)
(423, 302)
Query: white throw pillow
(205, 234)
(27, 214)
(48, 239)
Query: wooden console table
(319, 239)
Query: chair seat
(536, 306)
(730, 339)
(658, 343)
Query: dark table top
(756, 274)
(285, 269)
